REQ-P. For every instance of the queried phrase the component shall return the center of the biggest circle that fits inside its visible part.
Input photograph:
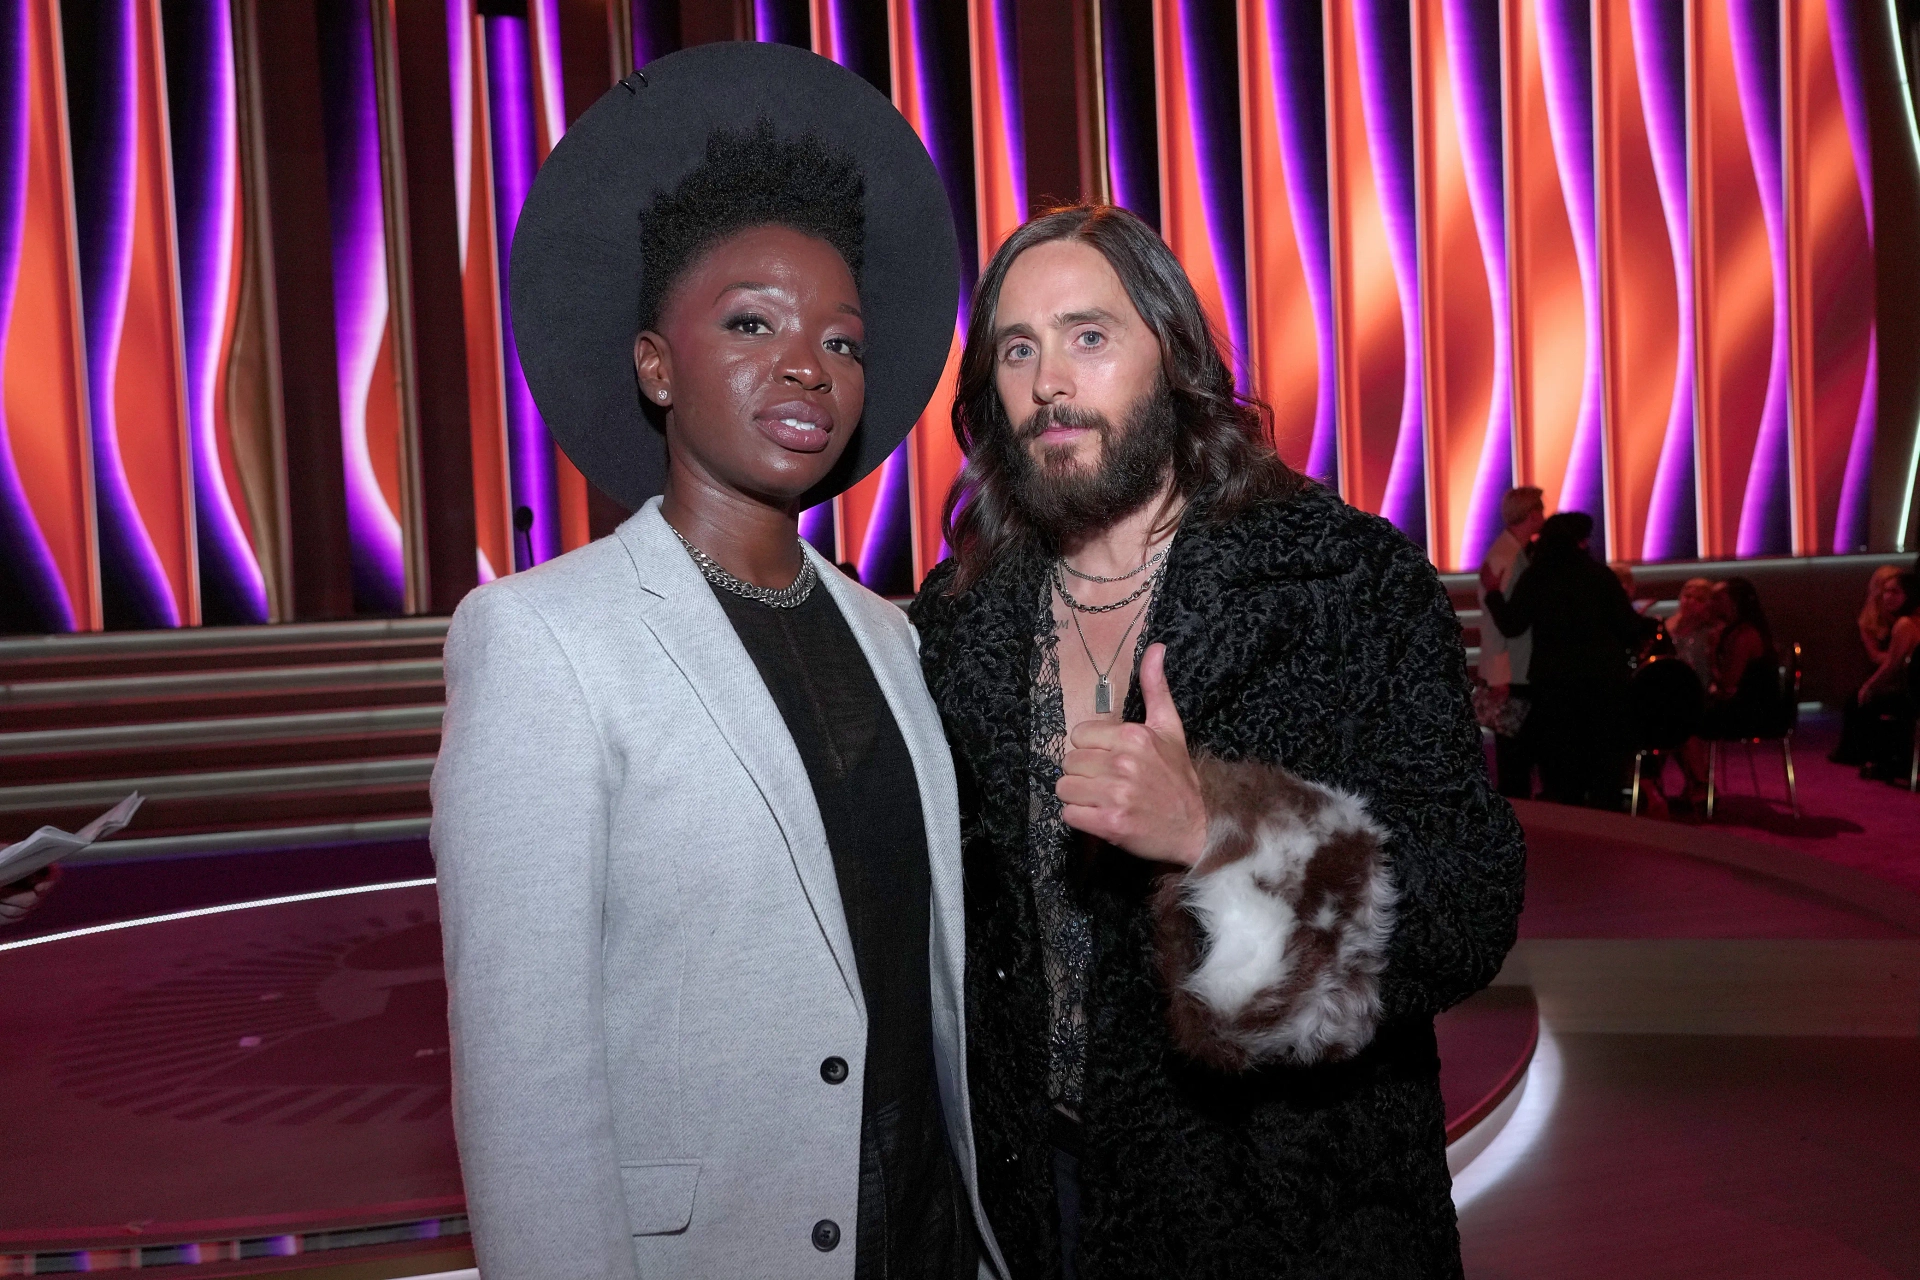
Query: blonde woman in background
(1877, 616)
(1695, 628)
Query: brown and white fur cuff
(1272, 946)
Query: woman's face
(1696, 600)
(1724, 609)
(1890, 598)
(756, 357)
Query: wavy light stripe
(1766, 508)
(544, 18)
(1383, 41)
(509, 101)
(136, 584)
(570, 486)
(360, 302)
(1910, 142)
(22, 541)
(1207, 58)
(1659, 46)
(1850, 520)
(875, 524)
(1133, 186)
(1566, 57)
(1289, 372)
(999, 153)
(1298, 52)
(206, 197)
(460, 86)
(1473, 51)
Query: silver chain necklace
(788, 597)
(1103, 686)
(1060, 585)
(1141, 568)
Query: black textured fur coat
(1303, 633)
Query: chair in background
(1782, 718)
(1913, 707)
(1665, 700)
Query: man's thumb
(1162, 716)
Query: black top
(913, 1216)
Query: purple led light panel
(1383, 37)
(1473, 57)
(1659, 49)
(28, 565)
(359, 293)
(510, 103)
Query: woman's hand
(1489, 577)
(1134, 785)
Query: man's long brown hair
(1223, 461)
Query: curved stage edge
(161, 1069)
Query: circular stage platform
(263, 1087)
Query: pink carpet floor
(1869, 826)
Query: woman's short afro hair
(751, 179)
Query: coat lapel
(679, 609)
(984, 689)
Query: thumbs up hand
(1133, 785)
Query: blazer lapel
(679, 609)
(896, 669)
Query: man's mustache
(1049, 416)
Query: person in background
(1746, 669)
(1503, 659)
(849, 568)
(1886, 699)
(1585, 633)
(1743, 678)
(1695, 627)
(1877, 616)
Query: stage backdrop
(1656, 257)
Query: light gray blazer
(647, 960)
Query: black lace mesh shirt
(914, 1222)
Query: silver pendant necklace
(1103, 685)
(791, 596)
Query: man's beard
(1064, 501)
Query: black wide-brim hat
(575, 278)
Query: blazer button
(826, 1235)
(834, 1071)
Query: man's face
(1067, 340)
(1530, 524)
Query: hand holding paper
(50, 844)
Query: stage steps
(321, 727)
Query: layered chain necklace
(787, 597)
(1103, 683)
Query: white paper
(50, 844)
